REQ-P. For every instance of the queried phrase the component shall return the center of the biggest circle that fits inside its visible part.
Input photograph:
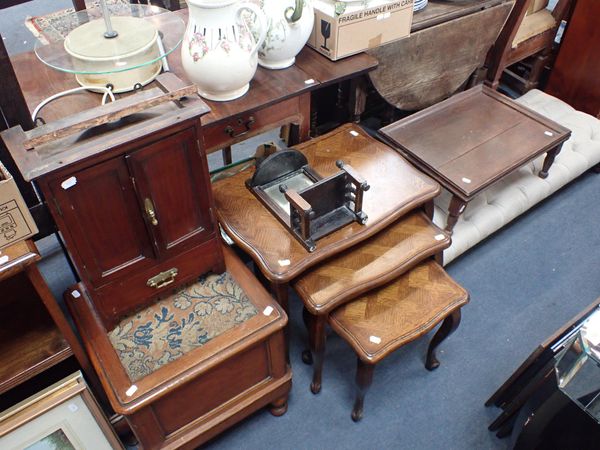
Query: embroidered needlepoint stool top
(185, 320)
(368, 265)
(387, 318)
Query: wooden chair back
(503, 53)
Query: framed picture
(64, 416)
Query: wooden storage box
(187, 401)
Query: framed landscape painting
(64, 416)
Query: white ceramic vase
(219, 52)
(290, 25)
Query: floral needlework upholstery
(180, 323)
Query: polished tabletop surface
(474, 138)
(311, 71)
(396, 188)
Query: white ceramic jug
(290, 25)
(218, 52)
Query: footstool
(387, 318)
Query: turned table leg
(448, 327)
(306, 354)
(317, 339)
(358, 98)
(549, 160)
(227, 156)
(457, 207)
(364, 378)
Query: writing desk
(276, 97)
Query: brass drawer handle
(162, 279)
(150, 211)
(229, 130)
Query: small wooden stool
(366, 266)
(385, 319)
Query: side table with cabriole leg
(473, 140)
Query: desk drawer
(224, 133)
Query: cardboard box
(16, 223)
(357, 30)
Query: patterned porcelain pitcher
(218, 52)
(290, 25)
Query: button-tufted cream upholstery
(519, 191)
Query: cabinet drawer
(119, 298)
(238, 128)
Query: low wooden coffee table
(474, 139)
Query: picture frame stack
(64, 416)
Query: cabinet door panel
(170, 178)
(104, 219)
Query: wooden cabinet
(103, 221)
(140, 216)
(34, 333)
(132, 200)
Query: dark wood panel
(13, 111)
(326, 72)
(439, 11)
(106, 227)
(126, 294)
(170, 177)
(453, 138)
(498, 152)
(574, 77)
(433, 63)
(243, 126)
(243, 371)
(474, 138)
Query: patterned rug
(180, 323)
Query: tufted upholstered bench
(519, 191)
